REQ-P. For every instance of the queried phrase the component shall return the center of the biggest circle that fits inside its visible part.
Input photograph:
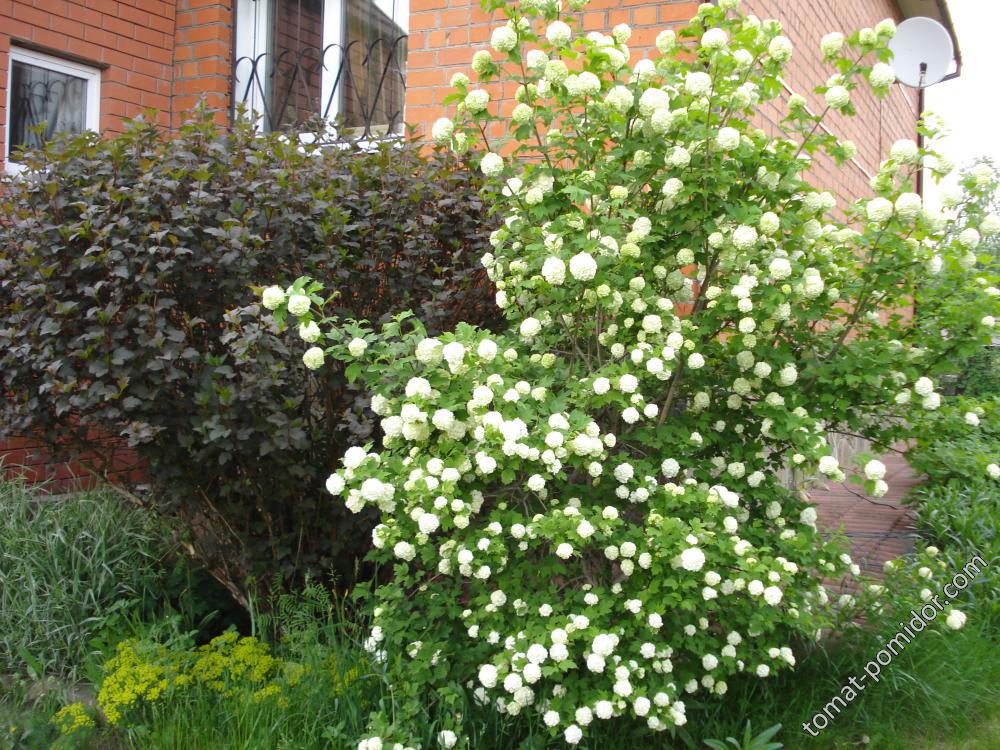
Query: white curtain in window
(40, 96)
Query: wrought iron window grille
(365, 102)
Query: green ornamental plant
(70, 569)
(127, 308)
(749, 741)
(584, 513)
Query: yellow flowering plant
(145, 680)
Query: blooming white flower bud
(583, 267)
(476, 101)
(309, 332)
(558, 34)
(714, 39)
(313, 358)
(832, 43)
(503, 39)
(698, 83)
(273, 297)
(442, 130)
(357, 347)
(491, 164)
(780, 49)
(692, 559)
(904, 151)
(298, 304)
(875, 469)
(882, 76)
(837, 97)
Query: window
(45, 96)
(343, 60)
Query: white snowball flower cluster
(698, 83)
(692, 559)
(298, 304)
(837, 97)
(780, 268)
(313, 358)
(679, 311)
(554, 271)
(310, 332)
(882, 76)
(780, 48)
(477, 100)
(904, 151)
(558, 33)
(875, 469)
(491, 164)
(442, 130)
(503, 39)
(583, 267)
(273, 297)
(832, 43)
(956, 619)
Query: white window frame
(92, 117)
(253, 30)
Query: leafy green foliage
(69, 569)
(958, 506)
(979, 375)
(126, 306)
(950, 449)
(749, 741)
(586, 511)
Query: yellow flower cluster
(230, 666)
(129, 679)
(269, 692)
(230, 658)
(341, 681)
(73, 718)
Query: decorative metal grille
(41, 97)
(366, 79)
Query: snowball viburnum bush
(584, 512)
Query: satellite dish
(922, 52)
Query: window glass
(339, 59)
(41, 96)
(374, 92)
(297, 68)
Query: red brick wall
(444, 34)
(152, 54)
(159, 54)
(30, 460)
(878, 123)
(203, 56)
(133, 46)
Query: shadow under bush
(126, 305)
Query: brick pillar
(203, 57)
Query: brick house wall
(878, 122)
(152, 54)
(166, 54)
(444, 34)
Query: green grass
(69, 568)
(942, 683)
(78, 575)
